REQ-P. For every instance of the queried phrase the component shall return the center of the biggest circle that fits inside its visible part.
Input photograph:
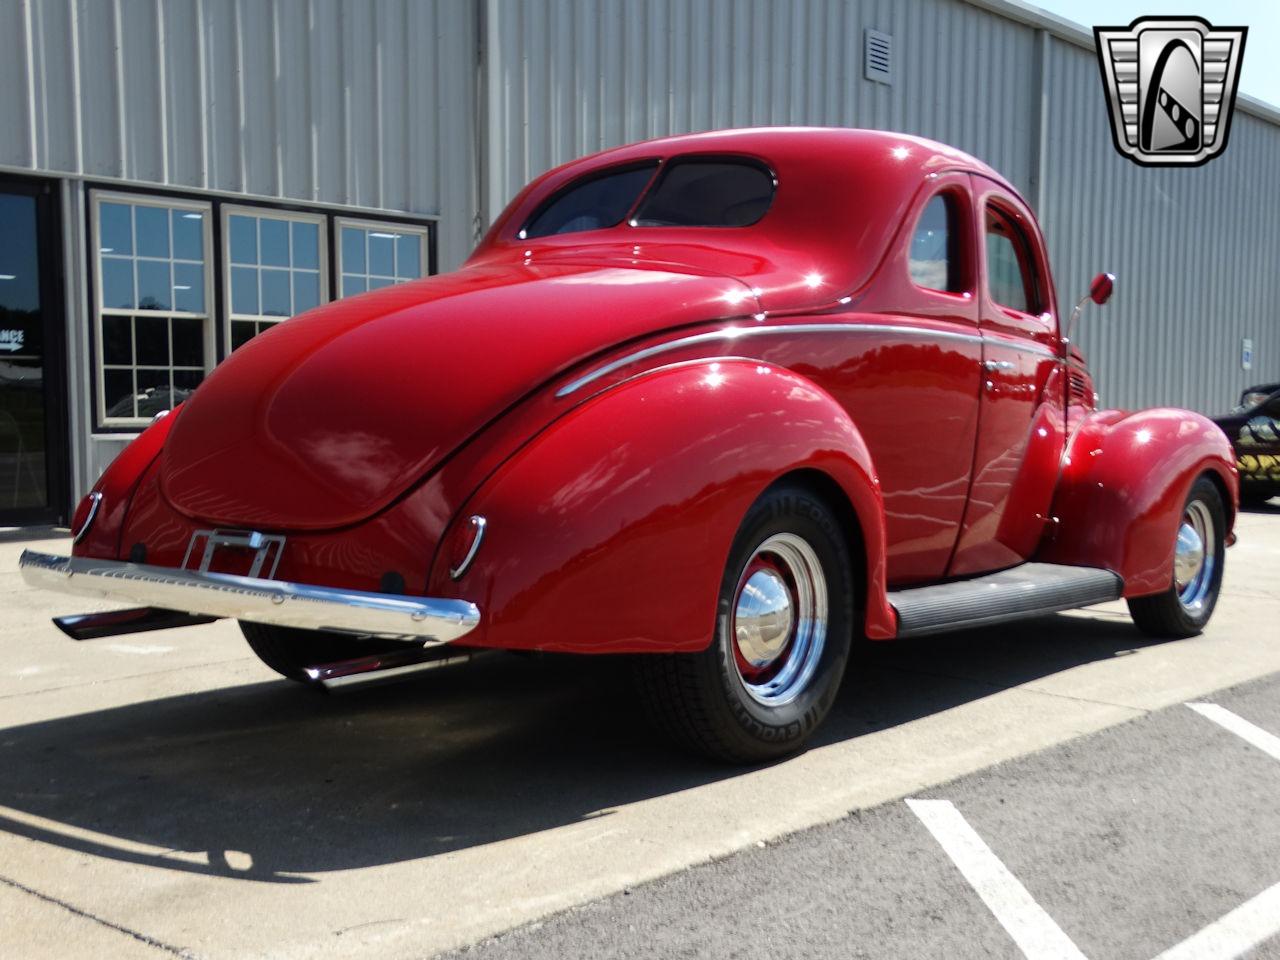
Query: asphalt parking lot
(1130, 841)
(163, 794)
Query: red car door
(908, 373)
(1021, 428)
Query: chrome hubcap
(1188, 559)
(1193, 557)
(779, 624)
(762, 620)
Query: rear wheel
(1185, 608)
(289, 651)
(783, 627)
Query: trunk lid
(327, 418)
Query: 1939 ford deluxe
(725, 402)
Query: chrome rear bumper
(432, 621)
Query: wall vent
(877, 56)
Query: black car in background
(1253, 428)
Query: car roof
(840, 145)
(841, 197)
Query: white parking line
(1032, 929)
(1266, 742)
(1241, 930)
(1036, 933)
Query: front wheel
(784, 623)
(1199, 553)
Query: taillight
(465, 544)
(86, 513)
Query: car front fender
(1124, 482)
(609, 530)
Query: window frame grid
(97, 198)
(422, 231)
(260, 320)
(214, 322)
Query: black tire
(289, 650)
(701, 700)
(1166, 615)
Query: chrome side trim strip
(1036, 348)
(737, 333)
(1025, 347)
(425, 619)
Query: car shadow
(303, 783)
(1271, 506)
(32, 534)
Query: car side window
(593, 203)
(1010, 277)
(933, 259)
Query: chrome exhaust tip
(115, 623)
(388, 667)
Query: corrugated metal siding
(344, 103)
(1195, 250)
(373, 105)
(569, 77)
(327, 101)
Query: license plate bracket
(265, 548)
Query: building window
(156, 304)
(151, 276)
(373, 255)
(275, 267)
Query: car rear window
(707, 193)
(591, 204)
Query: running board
(1029, 590)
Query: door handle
(994, 365)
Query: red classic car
(725, 402)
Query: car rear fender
(610, 529)
(1125, 478)
(117, 487)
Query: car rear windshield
(707, 193)
(593, 203)
(701, 192)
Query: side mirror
(1100, 291)
(1102, 287)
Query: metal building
(176, 174)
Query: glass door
(32, 432)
